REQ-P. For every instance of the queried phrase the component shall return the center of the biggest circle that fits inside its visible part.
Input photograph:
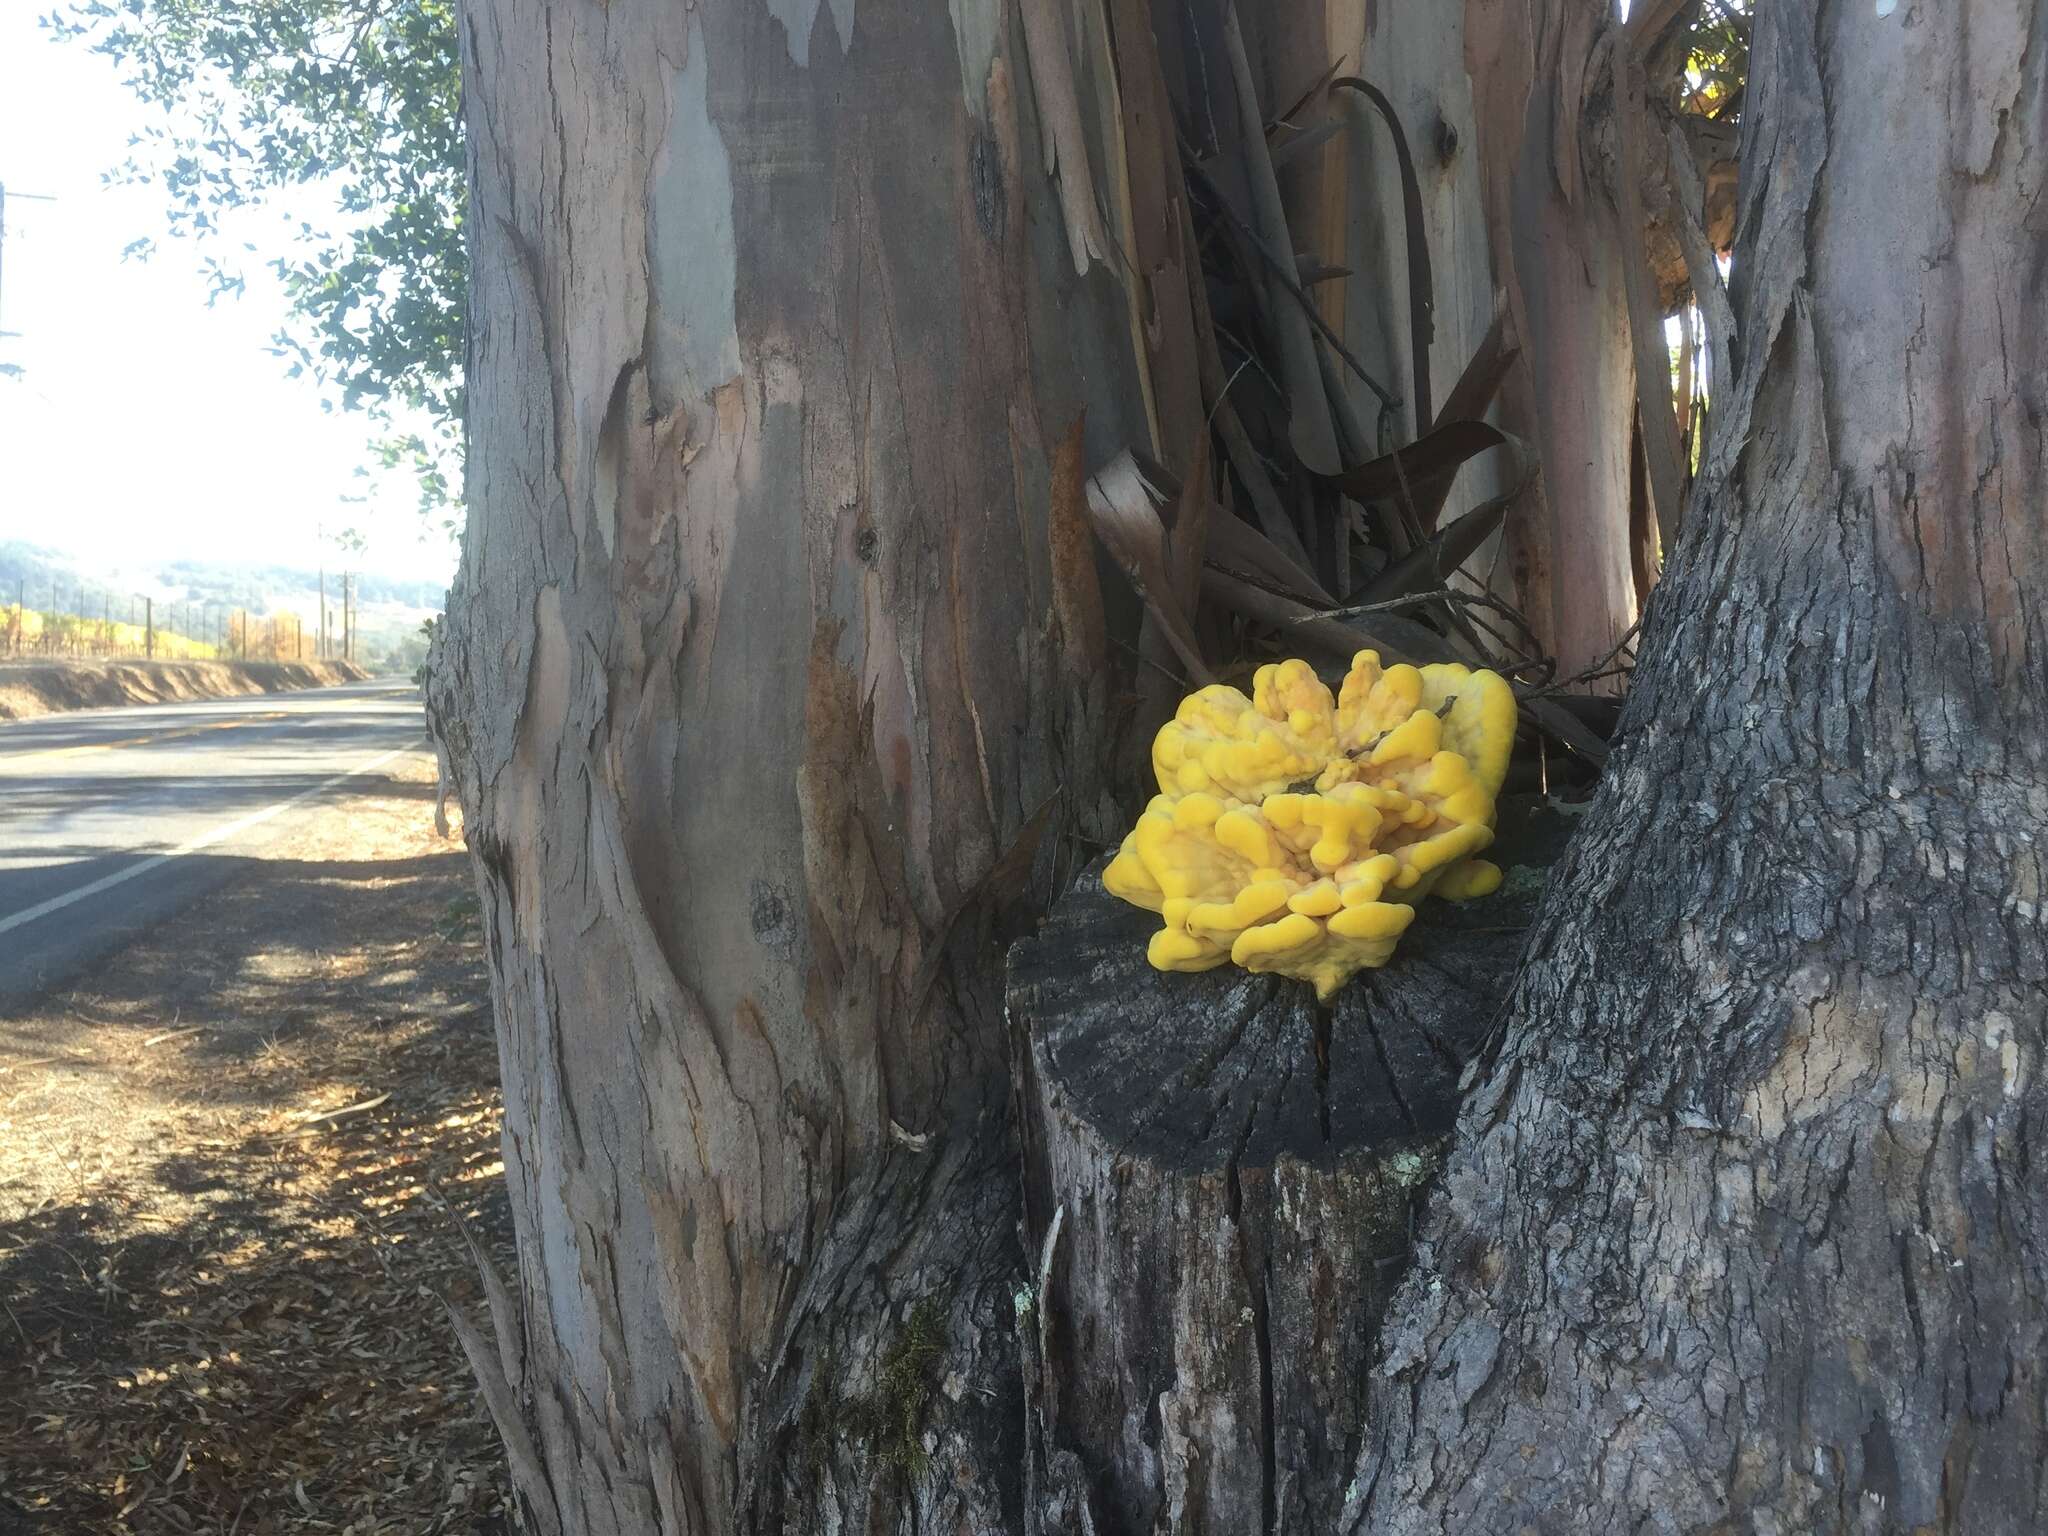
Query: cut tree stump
(1235, 1170)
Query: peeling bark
(1743, 1231)
(1504, 106)
(1416, 54)
(752, 679)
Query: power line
(40, 197)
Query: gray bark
(750, 682)
(1744, 1229)
(1507, 110)
(1416, 54)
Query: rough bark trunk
(1744, 1230)
(752, 681)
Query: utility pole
(320, 538)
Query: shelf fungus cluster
(1296, 833)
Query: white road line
(198, 844)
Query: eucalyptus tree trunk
(1745, 1230)
(762, 665)
(1509, 115)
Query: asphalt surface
(113, 819)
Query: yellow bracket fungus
(1296, 833)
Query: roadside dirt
(231, 1169)
(48, 687)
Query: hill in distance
(192, 593)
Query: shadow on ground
(223, 1300)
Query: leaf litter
(223, 1244)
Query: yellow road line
(46, 753)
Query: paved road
(112, 819)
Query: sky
(145, 424)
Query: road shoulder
(226, 1164)
(30, 689)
